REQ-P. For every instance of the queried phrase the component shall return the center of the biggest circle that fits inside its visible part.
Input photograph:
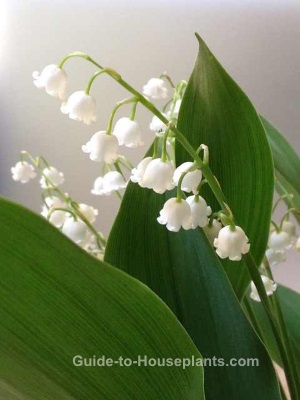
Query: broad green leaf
(290, 304)
(183, 269)
(58, 302)
(287, 165)
(216, 112)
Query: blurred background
(256, 41)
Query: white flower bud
(58, 217)
(158, 176)
(279, 241)
(76, 231)
(269, 285)
(23, 172)
(191, 180)
(111, 182)
(80, 107)
(102, 147)
(231, 244)
(212, 231)
(275, 256)
(128, 133)
(89, 212)
(156, 88)
(289, 227)
(200, 211)
(175, 214)
(55, 177)
(53, 79)
(156, 125)
(138, 172)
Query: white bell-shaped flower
(23, 172)
(77, 231)
(231, 243)
(200, 211)
(55, 217)
(51, 178)
(128, 133)
(98, 187)
(275, 256)
(102, 148)
(158, 176)
(89, 212)
(269, 285)
(111, 182)
(138, 172)
(279, 241)
(156, 125)
(212, 231)
(80, 107)
(156, 89)
(289, 227)
(176, 214)
(53, 79)
(191, 180)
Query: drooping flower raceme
(112, 181)
(138, 172)
(279, 241)
(212, 231)
(102, 147)
(270, 287)
(156, 89)
(231, 243)
(50, 212)
(158, 176)
(199, 211)
(53, 79)
(176, 214)
(80, 107)
(23, 172)
(191, 180)
(51, 178)
(128, 133)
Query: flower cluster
(73, 219)
(187, 210)
(282, 238)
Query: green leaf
(58, 302)
(290, 304)
(182, 268)
(287, 165)
(216, 112)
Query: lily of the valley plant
(196, 225)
